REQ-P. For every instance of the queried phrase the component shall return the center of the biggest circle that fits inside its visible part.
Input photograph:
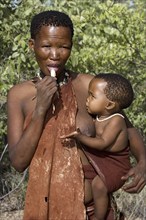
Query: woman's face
(52, 48)
(97, 101)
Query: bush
(109, 37)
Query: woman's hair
(118, 89)
(52, 18)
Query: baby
(108, 94)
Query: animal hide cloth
(56, 183)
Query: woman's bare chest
(85, 123)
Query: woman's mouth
(53, 72)
(52, 68)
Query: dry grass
(11, 207)
(13, 215)
(132, 205)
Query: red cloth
(90, 174)
(110, 166)
(56, 182)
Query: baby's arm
(108, 137)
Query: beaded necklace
(104, 119)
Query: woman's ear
(110, 105)
(31, 44)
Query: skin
(52, 48)
(111, 136)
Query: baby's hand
(73, 134)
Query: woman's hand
(46, 88)
(138, 179)
(23, 99)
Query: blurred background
(109, 37)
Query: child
(108, 95)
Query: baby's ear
(111, 105)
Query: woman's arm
(23, 142)
(138, 173)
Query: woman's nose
(54, 54)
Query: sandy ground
(13, 215)
(11, 207)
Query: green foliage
(109, 37)
(15, 58)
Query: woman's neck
(62, 78)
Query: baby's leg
(100, 196)
(88, 192)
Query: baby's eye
(91, 95)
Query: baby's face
(97, 101)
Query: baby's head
(116, 89)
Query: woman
(43, 109)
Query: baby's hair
(118, 89)
(52, 18)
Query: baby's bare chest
(100, 127)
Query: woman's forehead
(52, 31)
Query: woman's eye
(46, 45)
(66, 47)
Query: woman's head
(51, 40)
(110, 92)
(50, 18)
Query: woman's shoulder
(21, 89)
(85, 76)
(82, 78)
